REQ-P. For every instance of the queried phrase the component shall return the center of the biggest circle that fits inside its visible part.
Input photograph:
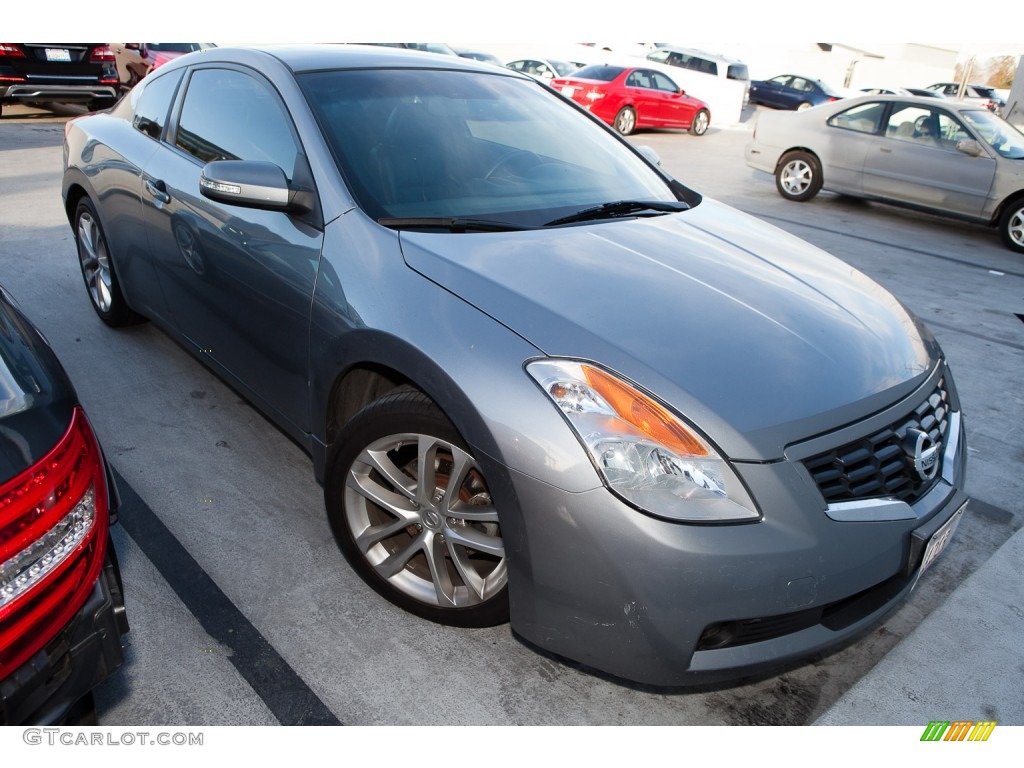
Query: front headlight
(644, 453)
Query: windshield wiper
(620, 208)
(452, 224)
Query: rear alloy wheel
(413, 515)
(798, 176)
(804, 105)
(625, 121)
(98, 269)
(1011, 226)
(700, 123)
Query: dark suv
(34, 73)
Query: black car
(61, 602)
(40, 73)
(792, 92)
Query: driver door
(916, 161)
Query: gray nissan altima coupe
(540, 380)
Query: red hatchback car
(628, 98)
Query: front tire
(625, 121)
(1011, 225)
(700, 123)
(411, 511)
(98, 269)
(798, 176)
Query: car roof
(327, 56)
(924, 101)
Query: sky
(731, 22)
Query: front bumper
(664, 603)
(88, 650)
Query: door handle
(158, 190)
(884, 149)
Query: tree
(1000, 71)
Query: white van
(720, 81)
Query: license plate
(938, 542)
(58, 54)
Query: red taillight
(102, 53)
(11, 49)
(53, 538)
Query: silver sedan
(942, 157)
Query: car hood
(755, 336)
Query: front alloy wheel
(1011, 226)
(700, 123)
(412, 512)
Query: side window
(517, 65)
(228, 115)
(663, 83)
(639, 79)
(152, 102)
(865, 118)
(924, 126)
(781, 80)
(662, 56)
(800, 84)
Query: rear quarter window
(151, 101)
(865, 118)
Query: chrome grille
(878, 465)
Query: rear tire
(98, 269)
(798, 177)
(625, 121)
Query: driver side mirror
(252, 184)
(682, 91)
(970, 147)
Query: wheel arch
(1011, 199)
(377, 364)
(76, 186)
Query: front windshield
(999, 134)
(435, 143)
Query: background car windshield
(425, 143)
(1003, 137)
